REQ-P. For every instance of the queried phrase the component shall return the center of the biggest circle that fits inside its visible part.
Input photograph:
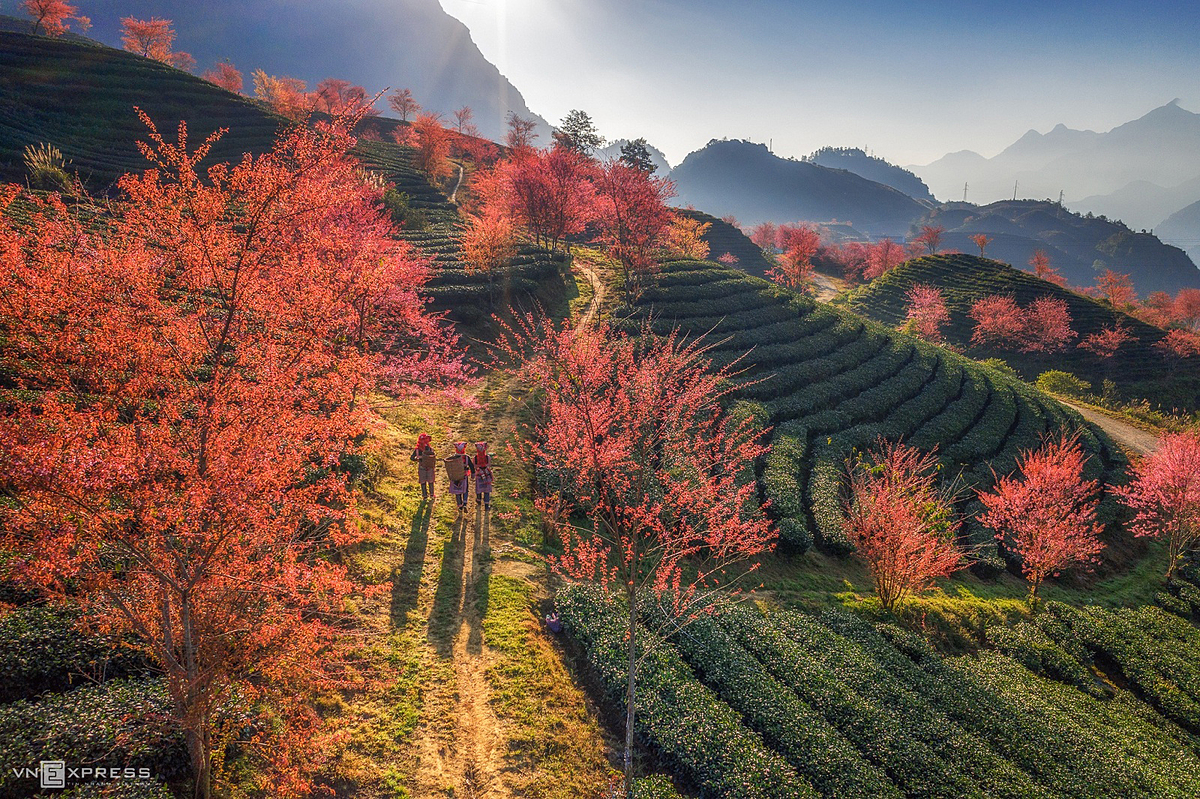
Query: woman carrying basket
(426, 459)
(458, 469)
(483, 476)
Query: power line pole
(965, 185)
(1015, 184)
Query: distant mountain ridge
(410, 44)
(747, 180)
(1079, 246)
(1094, 171)
(871, 167)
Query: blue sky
(910, 81)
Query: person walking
(483, 476)
(426, 459)
(459, 469)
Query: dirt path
(1131, 438)
(492, 711)
(458, 184)
(598, 291)
(826, 287)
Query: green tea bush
(121, 724)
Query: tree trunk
(630, 693)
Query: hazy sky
(910, 81)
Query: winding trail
(1131, 438)
(454, 194)
(598, 291)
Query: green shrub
(1000, 365)
(700, 736)
(121, 724)
(1065, 383)
(42, 650)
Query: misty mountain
(613, 151)
(378, 44)
(1080, 246)
(748, 181)
(1182, 229)
(871, 167)
(1161, 148)
(1143, 204)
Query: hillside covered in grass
(830, 383)
(1138, 367)
(1080, 246)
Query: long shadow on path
(406, 580)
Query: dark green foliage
(42, 650)
(119, 724)
(80, 98)
(833, 383)
(872, 710)
(701, 737)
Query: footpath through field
(473, 696)
(1133, 439)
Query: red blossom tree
(1185, 309)
(433, 144)
(884, 255)
(728, 259)
(1042, 269)
(181, 385)
(338, 97)
(226, 76)
(462, 121)
(1105, 343)
(929, 239)
(632, 218)
(851, 258)
(402, 103)
(1047, 326)
(999, 321)
(286, 96)
(1165, 493)
(794, 267)
(1047, 517)
(765, 235)
(50, 16)
(550, 193)
(153, 38)
(901, 523)
(926, 312)
(489, 242)
(635, 438)
(981, 240)
(1116, 288)
(1179, 344)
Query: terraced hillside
(964, 279)
(723, 237)
(831, 382)
(755, 705)
(80, 98)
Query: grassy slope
(964, 279)
(830, 383)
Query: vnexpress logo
(53, 773)
(56, 773)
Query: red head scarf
(423, 440)
(481, 456)
(460, 447)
